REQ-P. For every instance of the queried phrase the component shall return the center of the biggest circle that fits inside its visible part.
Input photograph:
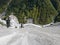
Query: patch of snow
(31, 34)
(3, 21)
(40, 26)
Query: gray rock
(13, 21)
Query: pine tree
(42, 11)
(56, 4)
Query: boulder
(14, 21)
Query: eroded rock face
(13, 21)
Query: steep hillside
(56, 4)
(3, 5)
(42, 11)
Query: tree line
(41, 11)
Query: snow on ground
(30, 35)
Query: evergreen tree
(56, 4)
(42, 11)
